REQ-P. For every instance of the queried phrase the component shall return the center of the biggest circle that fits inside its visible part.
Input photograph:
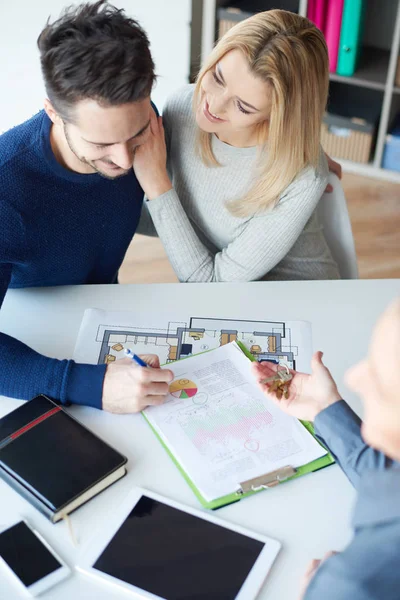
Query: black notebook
(53, 460)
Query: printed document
(222, 429)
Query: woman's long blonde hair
(289, 53)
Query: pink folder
(320, 14)
(311, 10)
(316, 12)
(332, 31)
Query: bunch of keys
(279, 382)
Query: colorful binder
(332, 31)
(311, 10)
(316, 12)
(350, 36)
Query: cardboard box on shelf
(350, 139)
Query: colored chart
(183, 388)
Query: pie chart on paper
(183, 388)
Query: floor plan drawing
(266, 340)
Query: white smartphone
(29, 560)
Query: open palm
(308, 394)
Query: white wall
(21, 89)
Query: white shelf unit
(376, 72)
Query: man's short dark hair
(94, 51)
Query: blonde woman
(245, 169)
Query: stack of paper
(222, 430)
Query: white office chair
(334, 217)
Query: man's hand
(312, 568)
(335, 168)
(128, 388)
(150, 161)
(308, 394)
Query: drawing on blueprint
(266, 340)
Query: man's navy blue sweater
(57, 227)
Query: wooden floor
(374, 208)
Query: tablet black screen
(178, 556)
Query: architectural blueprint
(104, 336)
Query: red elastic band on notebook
(35, 422)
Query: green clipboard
(276, 478)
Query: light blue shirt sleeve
(339, 428)
(368, 569)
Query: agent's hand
(335, 168)
(128, 388)
(308, 394)
(312, 568)
(150, 161)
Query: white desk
(309, 515)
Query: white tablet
(160, 549)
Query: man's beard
(82, 159)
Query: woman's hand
(150, 161)
(334, 168)
(308, 394)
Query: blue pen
(135, 357)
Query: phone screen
(25, 554)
